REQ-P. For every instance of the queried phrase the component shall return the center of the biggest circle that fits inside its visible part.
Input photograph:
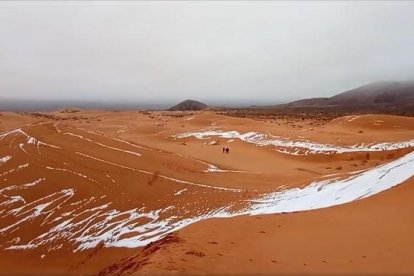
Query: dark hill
(378, 95)
(188, 105)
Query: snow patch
(4, 159)
(294, 147)
(180, 192)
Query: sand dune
(295, 147)
(96, 193)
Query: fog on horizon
(216, 52)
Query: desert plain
(151, 192)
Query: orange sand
(368, 236)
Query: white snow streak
(117, 228)
(295, 147)
(4, 159)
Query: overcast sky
(258, 52)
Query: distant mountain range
(382, 97)
(50, 105)
(373, 96)
(188, 105)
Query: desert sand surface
(139, 192)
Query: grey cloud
(263, 52)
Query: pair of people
(226, 150)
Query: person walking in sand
(224, 150)
(227, 150)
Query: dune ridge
(111, 225)
(82, 191)
(294, 147)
